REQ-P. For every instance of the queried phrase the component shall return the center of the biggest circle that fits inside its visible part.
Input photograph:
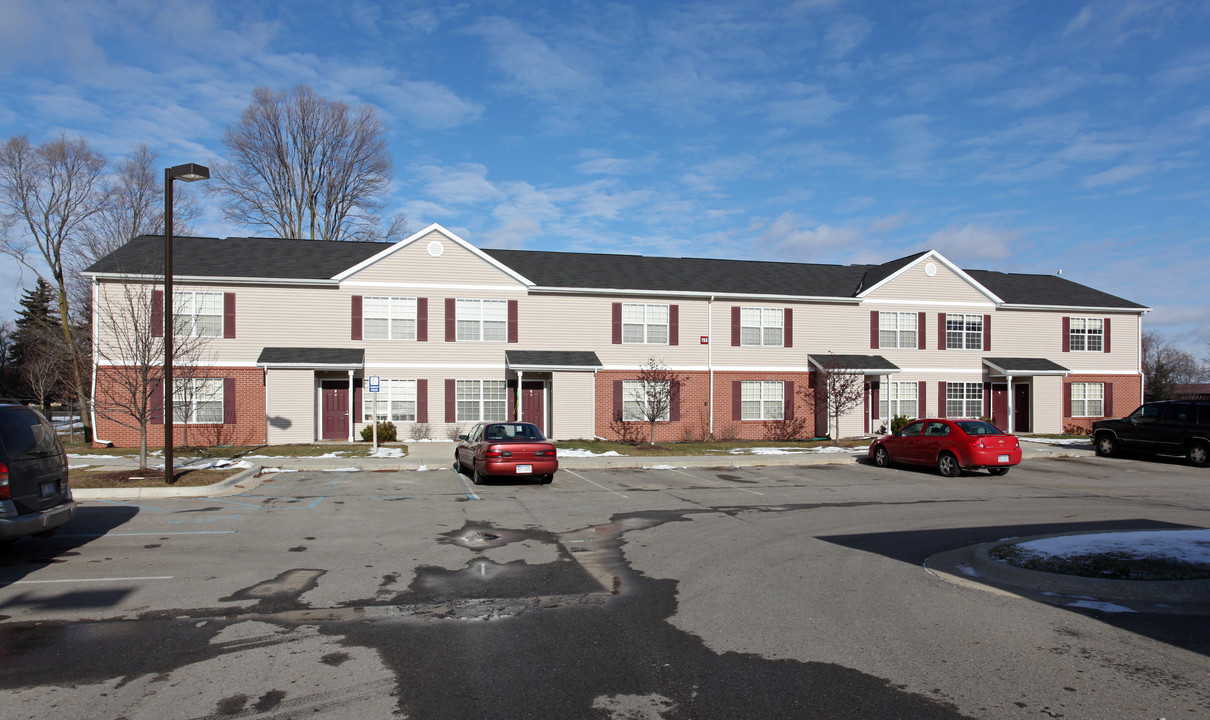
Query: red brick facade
(248, 428)
(1125, 396)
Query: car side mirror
(463, 437)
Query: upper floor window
(485, 320)
(481, 400)
(897, 329)
(642, 323)
(197, 400)
(1087, 334)
(964, 332)
(396, 401)
(197, 314)
(898, 399)
(388, 318)
(1088, 399)
(762, 400)
(964, 400)
(762, 326)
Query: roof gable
(428, 246)
(926, 275)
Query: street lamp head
(189, 172)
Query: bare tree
(651, 396)
(1166, 366)
(303, 166)
(7, 330)
(48, 194)
(44, 372)
(841, 389)
(130, 354)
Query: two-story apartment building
(455, 334)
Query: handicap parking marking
(470, 494)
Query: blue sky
(1014, 136)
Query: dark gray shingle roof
(313, 357)
(1025, 366)
(554, 358)
(865, 363)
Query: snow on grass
(1073, 442)
(660, 467)
(587, 453)
(1192, 546)
(217, 464)
(387, 452)
(344, 469)
(798, 450)
(277, 470)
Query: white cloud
(974, 242)
(790, 237)
(464, 184)
(1080, 21)
(1115, 175)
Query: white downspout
(710, 358)
(1011, 404)
(92, 398)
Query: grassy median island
(82, 478)
(1109, 565)
(719, 447)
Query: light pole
(187, 172)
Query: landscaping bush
(386, 432)
(898, 422)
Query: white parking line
(85, 580)
(615, 492)
(695, 477)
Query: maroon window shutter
(876, 398)
(920, 344)
(357, 412)
(451, 401)
(618, 414)
(787, 402)
(941, 399)
(735, 326)
(356, 335)
(157, 403)
(157, 314)
(987, 333)
(942, 344)
(737, 399)
(422, 322)
(788, 327)
(451, 321)
(617, 323)
(1066, 399)
(921, 399)
(674, 412)
(1106, 334)
(987, 399)
(422, 401)
(1066, 334)
(1107, 403)
(674, 324)
(512, 321)
(873, 329)
(228, 315)
(228, 401)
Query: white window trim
(897, 393)
(1083, 399)
(390, 388)
(185, 403)
(633, 394)
(966, 334)
(764, 314)
(480, 401)
(771, 394)
(969, 400)
(1086, 334)
(179, 313)
(897, 328)
(480, 322)
(647, 323)
(390, 316)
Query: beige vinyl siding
(290, 397)
(572, 395)
(915, 284)
(1047, 404)
(412, 264)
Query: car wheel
(1198, 454)
(948, 466)
(998, 471)
(477, 477)
(1107, 445)
(882, 458)
(457, 464)
(547, 479)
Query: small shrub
(453, 430)
(386, 432)
(898, 422)
(422, 431)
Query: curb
(238, 483)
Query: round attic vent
(436, 248)
(930, 269)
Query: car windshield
(512, 431)
(978, 427)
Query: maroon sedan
(949, 445)
(506, 448)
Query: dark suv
(1169, 427)
(35, 497)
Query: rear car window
(978, 427)
(25, 434)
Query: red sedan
(506, 448)
(949, 445)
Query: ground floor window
(898, 399)
(1088, 399)
(964, 400)
(197, 400)
(482, 400)
(396, 401)
(641, 399)
(762, 400)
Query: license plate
(47, 489)
(523, 469)
(1003, 458)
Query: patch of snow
(344, 469)
(277, 470)
(422, 468)
(334, 454)
(659, 467)
(73, 466)
(388, 452)
(1188, 545)
(968, 571)
(797, 450)
(219, 464)
(588, 453)
(1102, 606)
(1073, 442)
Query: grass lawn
(109, 479)
(721, 447)
(234, 452)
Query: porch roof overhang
(312, 358)
(868, 364)
(550, 360)
(1023, 367)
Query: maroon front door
(335, 413)
(533, 406)
(1000, 406)
(1021, 408)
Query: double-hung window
(897, 329)
(964, 400)
(481, 400)
(963, 332)
(641, 399)
(1088, 399)
(1087, 334)
(761, 326)
(396, 401)
(898, 399)
(763, 400)
(644, 323)
(482, 320)
(388, 318)
(197, 314)
(197, 400)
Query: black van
(35, 497)
(1167, 427)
